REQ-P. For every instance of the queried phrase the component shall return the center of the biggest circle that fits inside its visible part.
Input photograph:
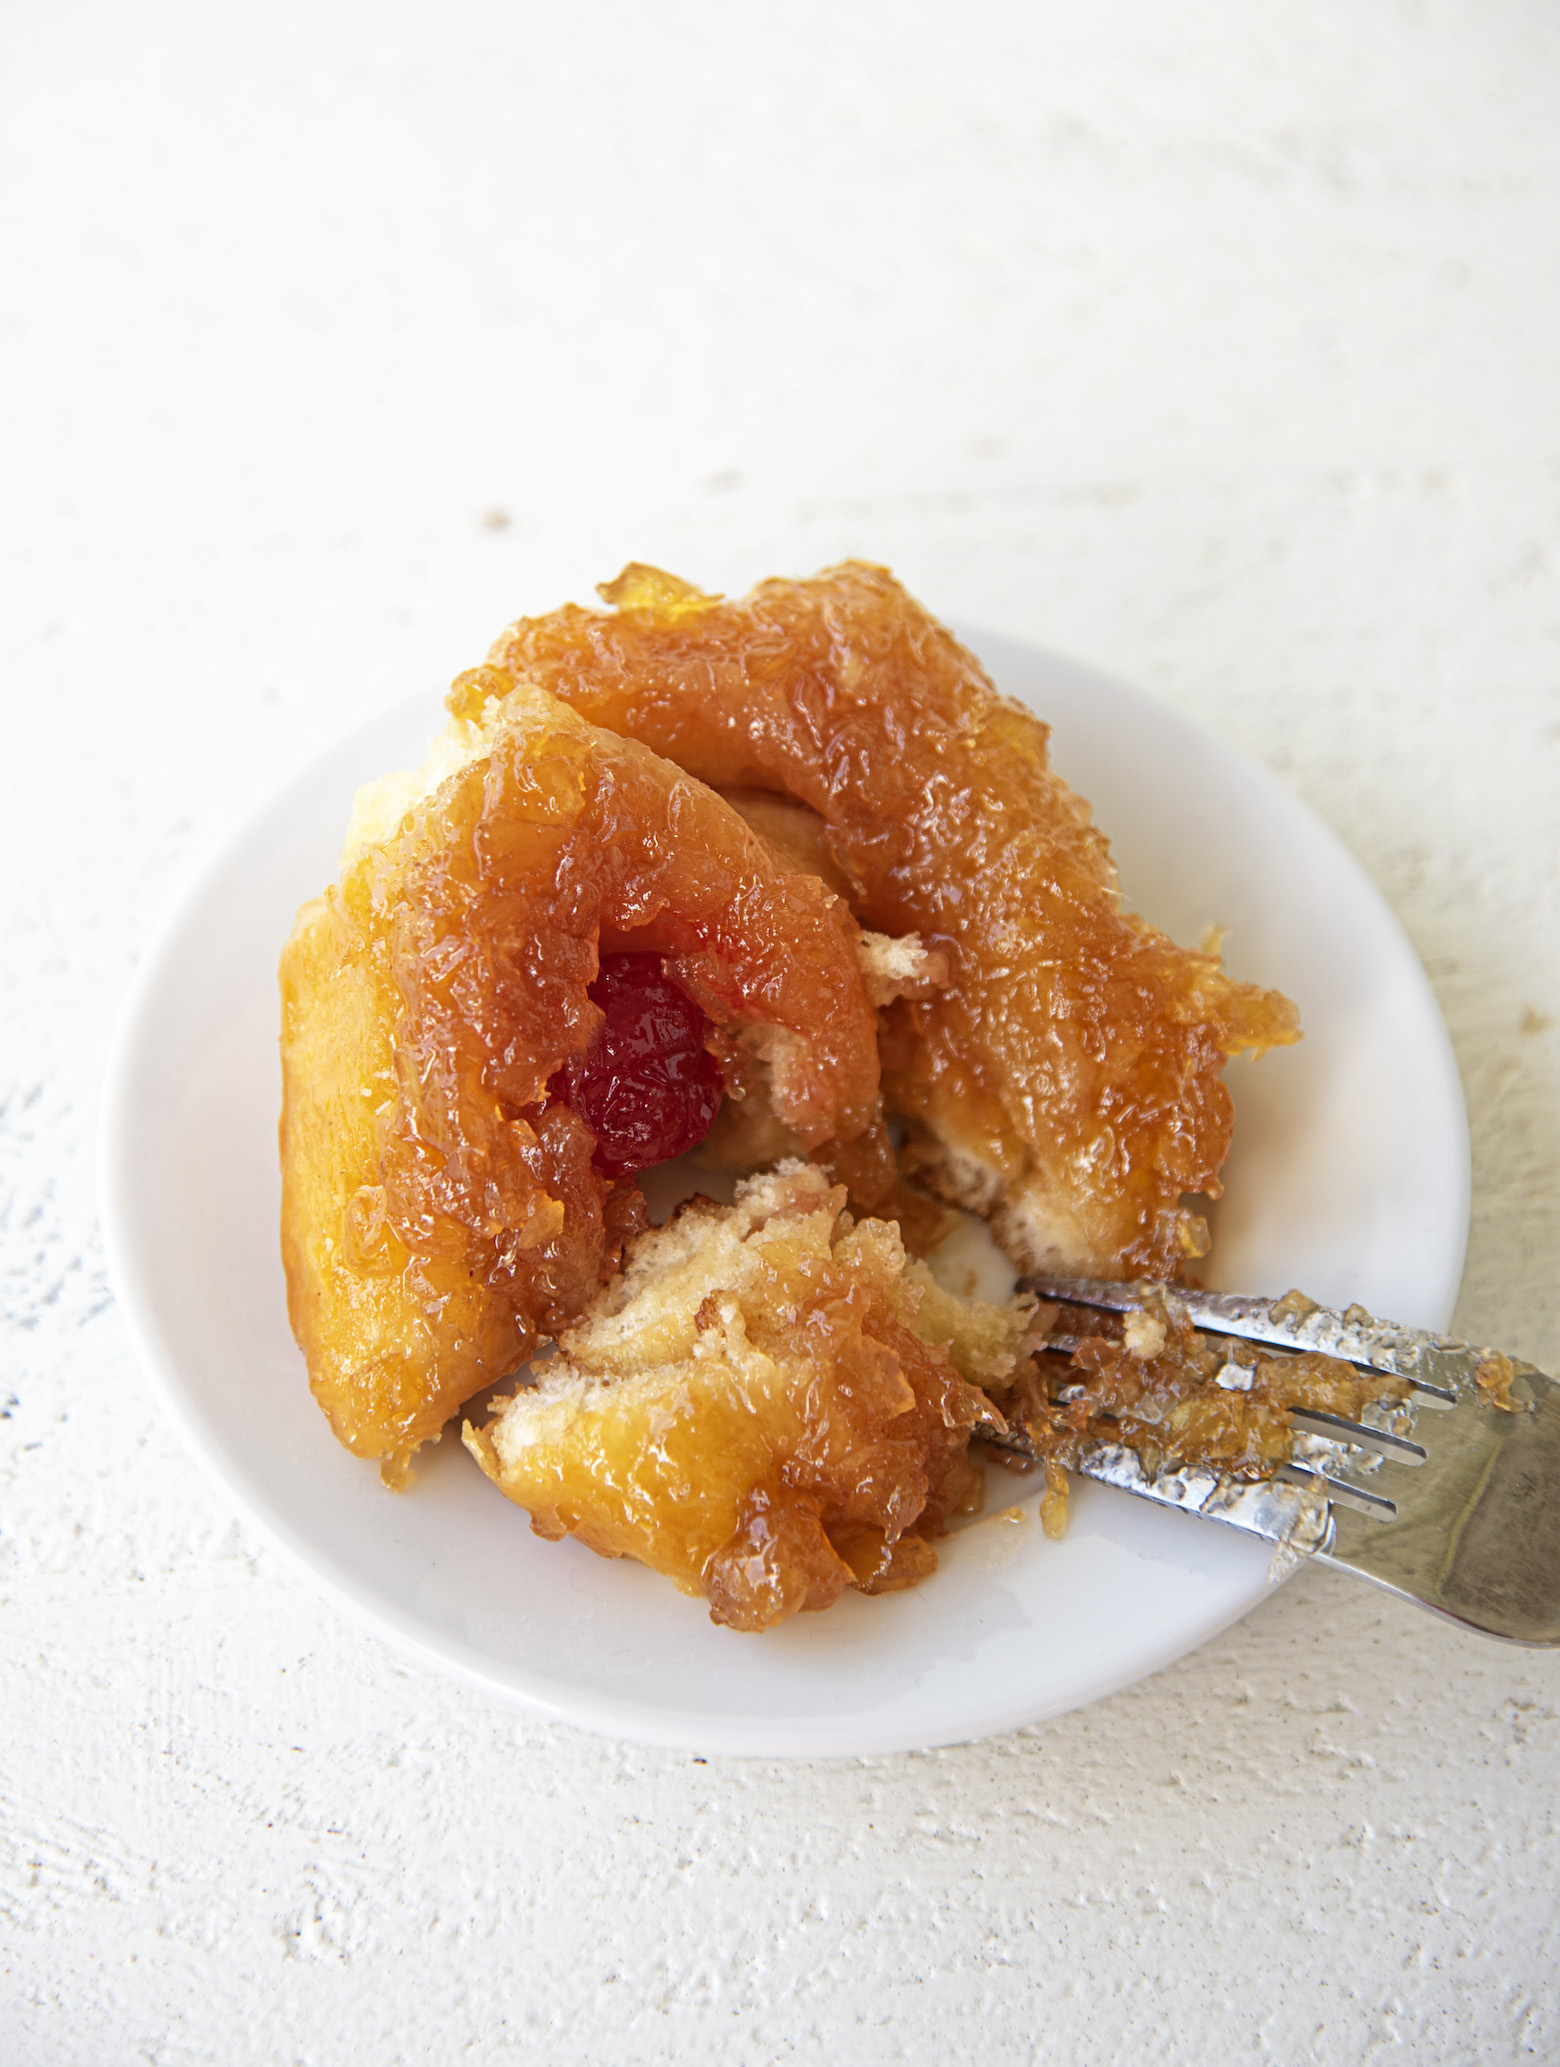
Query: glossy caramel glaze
(441, 1209)
(769, 1407)
(1065, 1082)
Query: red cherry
(646, 1084)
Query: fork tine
(1430, 1362)
(1344, 1464)
(1396, 1447)
(1377, 1505)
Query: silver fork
(1445, 1499)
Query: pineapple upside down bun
(785, 873)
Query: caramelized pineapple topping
(1064, 1081)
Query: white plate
(1349, 1177)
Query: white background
(1216, 344)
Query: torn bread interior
(770, 1404)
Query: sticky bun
(788, 878)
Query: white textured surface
(1215, 344)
